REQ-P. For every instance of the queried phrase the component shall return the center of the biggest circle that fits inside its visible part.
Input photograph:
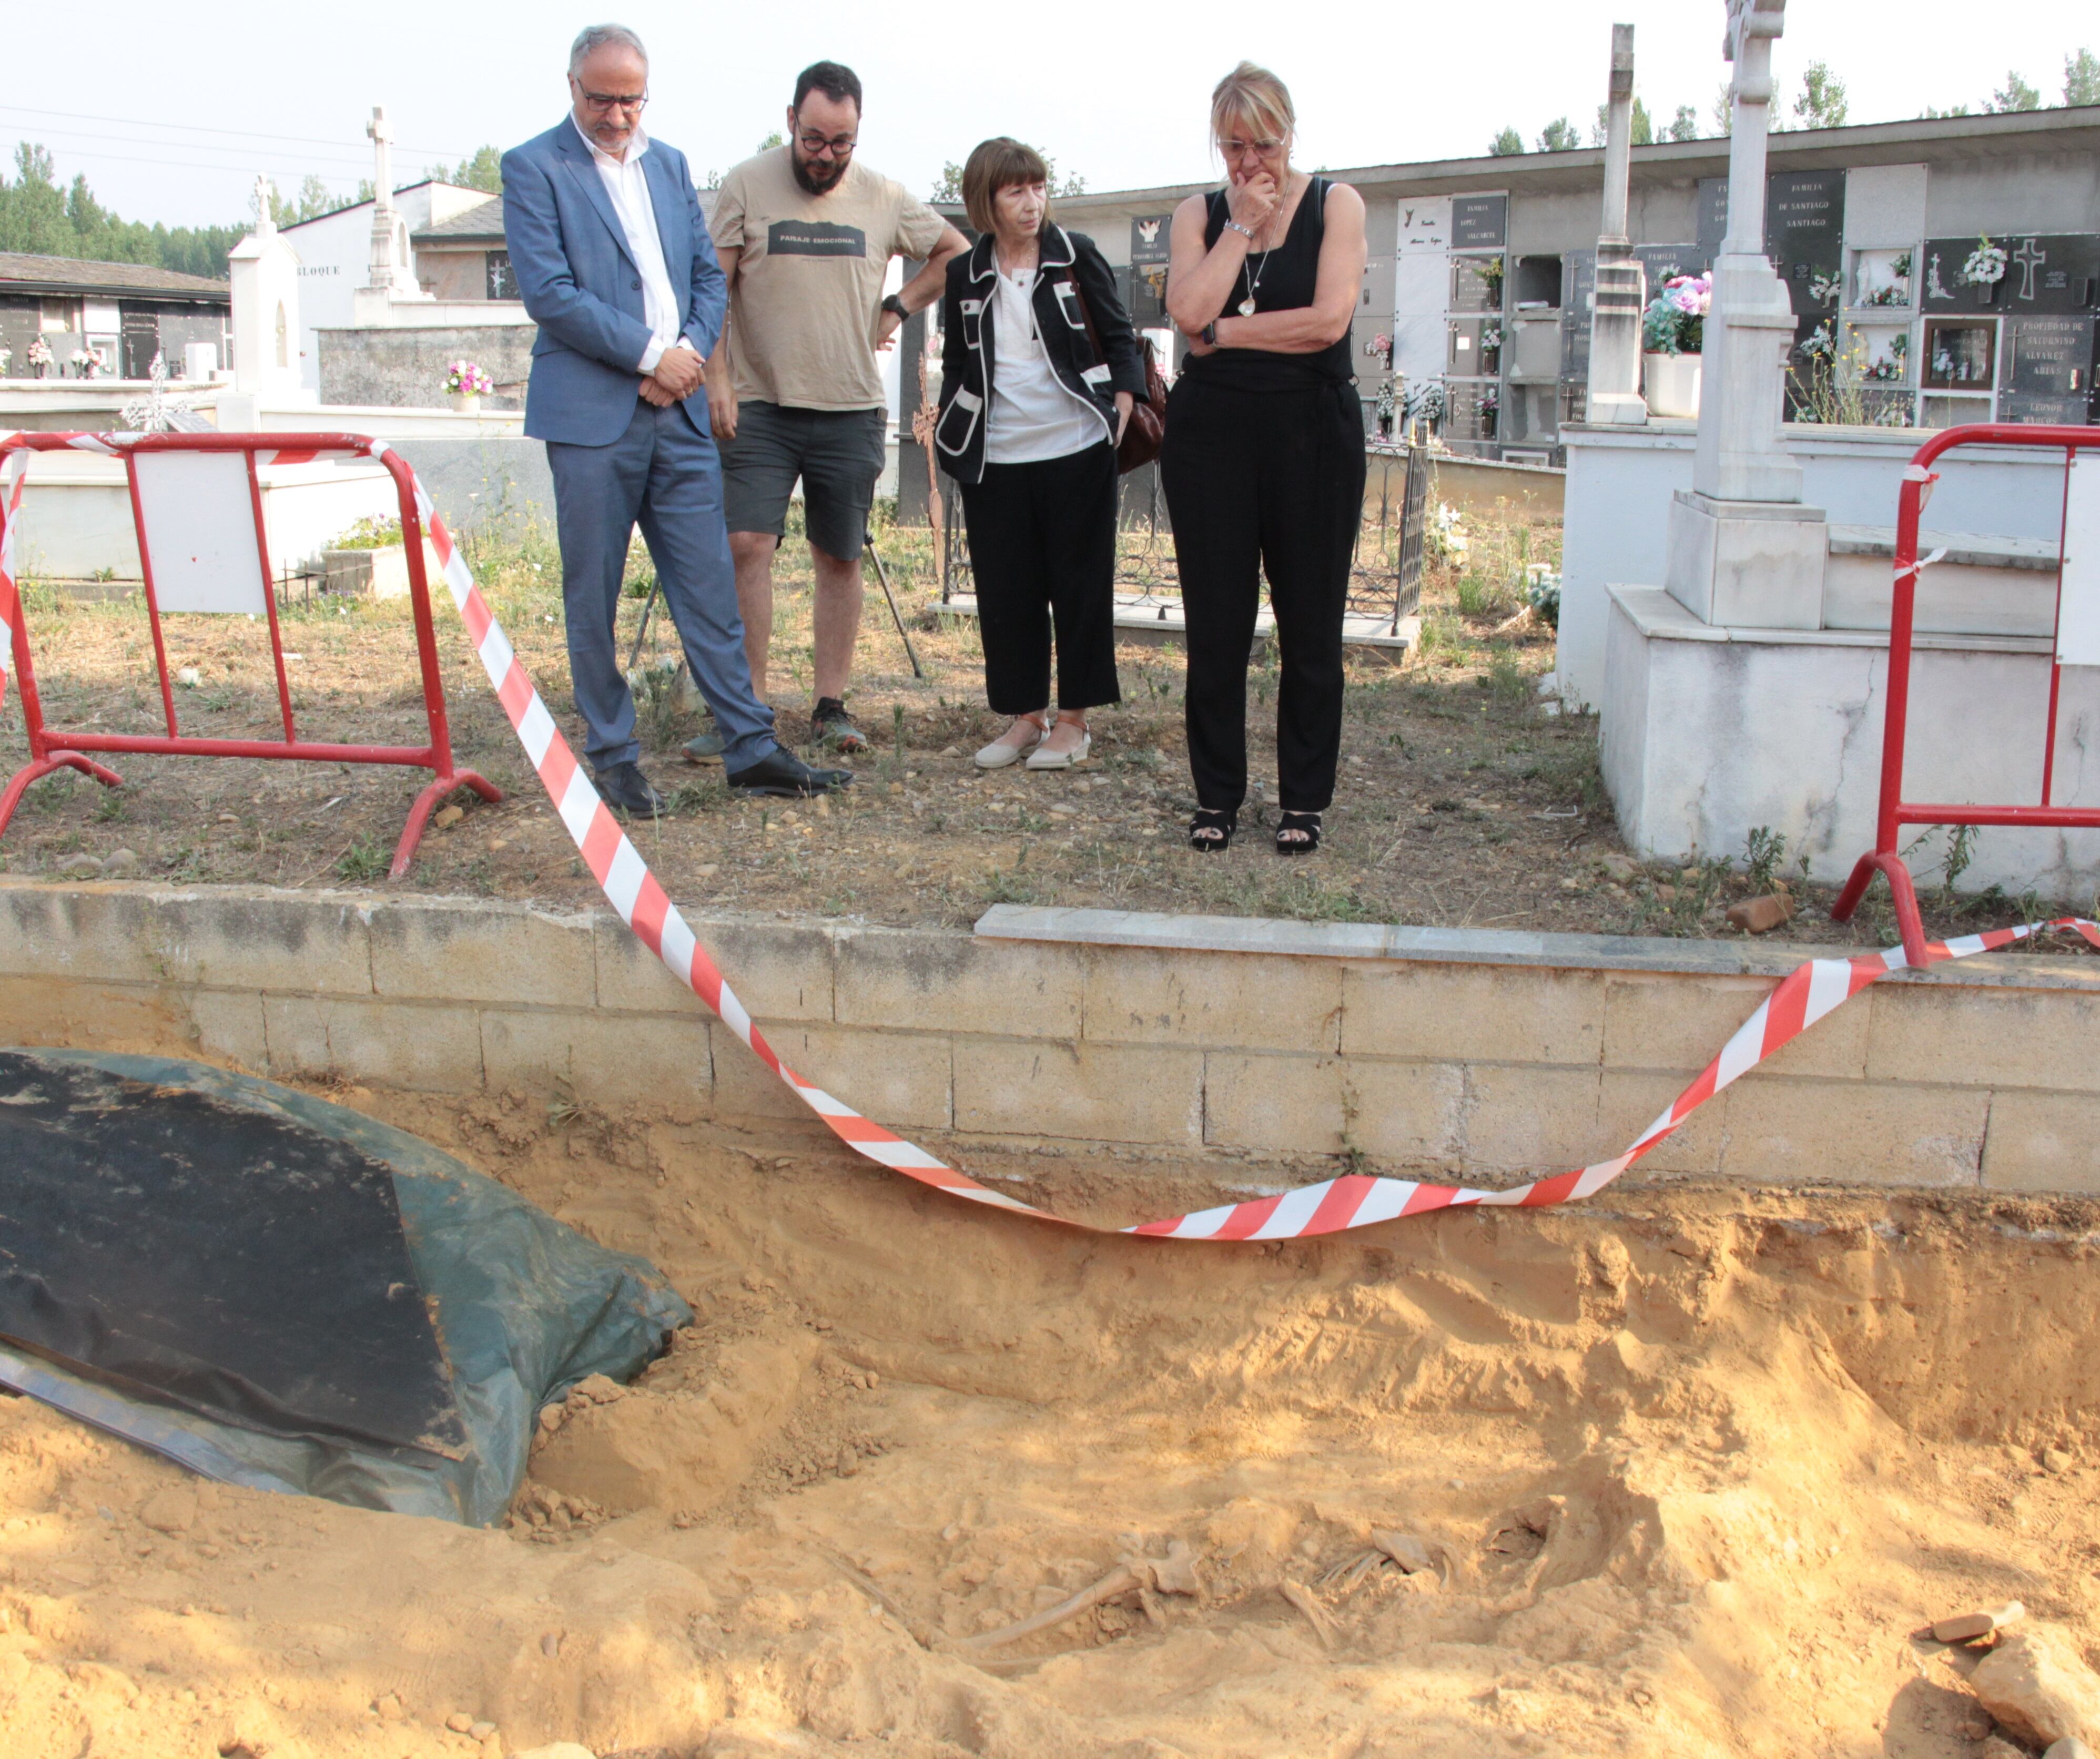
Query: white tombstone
(200, 362)
(265, 272)
(1620, 298)
(1743, 550)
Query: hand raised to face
(1254, 202)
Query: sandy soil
(1692, 1466)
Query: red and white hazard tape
(1805, 996)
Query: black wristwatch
(1210, 334)
(895, 302)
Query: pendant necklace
(1247, 306)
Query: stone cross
(1749, 332)
(2029, 258)
(382, 133)
(1621, 284)
(1743, 550)
(265, 222)
(383, 275)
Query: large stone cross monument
(390, 280)
(1621, 284)
(1743, 549)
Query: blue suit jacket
(580, 285)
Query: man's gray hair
(594, 37)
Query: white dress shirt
(626, 182)
(1034, 414)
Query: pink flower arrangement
(1691, 294)
(464, 376)
(1675, 321)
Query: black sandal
(1211, 831)
(1297, 833)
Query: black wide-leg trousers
(1041, 540)
(1259, 480)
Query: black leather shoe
(782, 772)
(625, 789)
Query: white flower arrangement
(1986, 266)
(1825, 289)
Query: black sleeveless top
(1284, 279)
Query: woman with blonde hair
(1040, 370)
(1264, 459)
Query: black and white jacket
(1069, 267)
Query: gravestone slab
(1479, 222)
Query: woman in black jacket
(1032, 408)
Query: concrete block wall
(1489, 1056)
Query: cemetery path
(1687, 1475)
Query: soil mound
(1682, 1474)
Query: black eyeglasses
(605, 101)
(816, 145)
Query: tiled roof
(69, 274)
(484, 220)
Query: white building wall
(335, 255)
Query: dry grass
(1461, 803)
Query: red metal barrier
(1896, 811)
(201, 578)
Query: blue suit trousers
(665, 475)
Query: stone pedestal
(1615, 344)
(1747, 562)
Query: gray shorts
(836, 452)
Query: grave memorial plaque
(1665, 262)
(1148, 238)
(1713, 215)
(1469, 411)
(1479, 222)
(1805, 238)
(1959, 354)
(1473, 286)
(1578, 282)
(2046, 370)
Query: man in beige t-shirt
(806, 235)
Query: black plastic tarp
(281, 1292)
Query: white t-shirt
(1034, 414)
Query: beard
(817, 177)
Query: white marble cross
(2029, 259)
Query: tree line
(1822, 102)
(41, 218)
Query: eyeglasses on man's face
(817, 145)
(604, 102)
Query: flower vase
(1671, 382)
(467, 402)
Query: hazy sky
(171, 116)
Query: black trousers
(1043, 548)
(1259, 480)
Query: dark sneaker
(706, 749)
(832, 728)
(782, 773)
(625, 789)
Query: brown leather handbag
(1146, 430)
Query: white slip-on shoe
(1040, 759)
(998, 754)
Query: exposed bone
(1119, 1581)
(1413, 1554)
(1316, 1614)
(1173, 1574)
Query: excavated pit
(1692, 1466)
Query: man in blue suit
(615, 264)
